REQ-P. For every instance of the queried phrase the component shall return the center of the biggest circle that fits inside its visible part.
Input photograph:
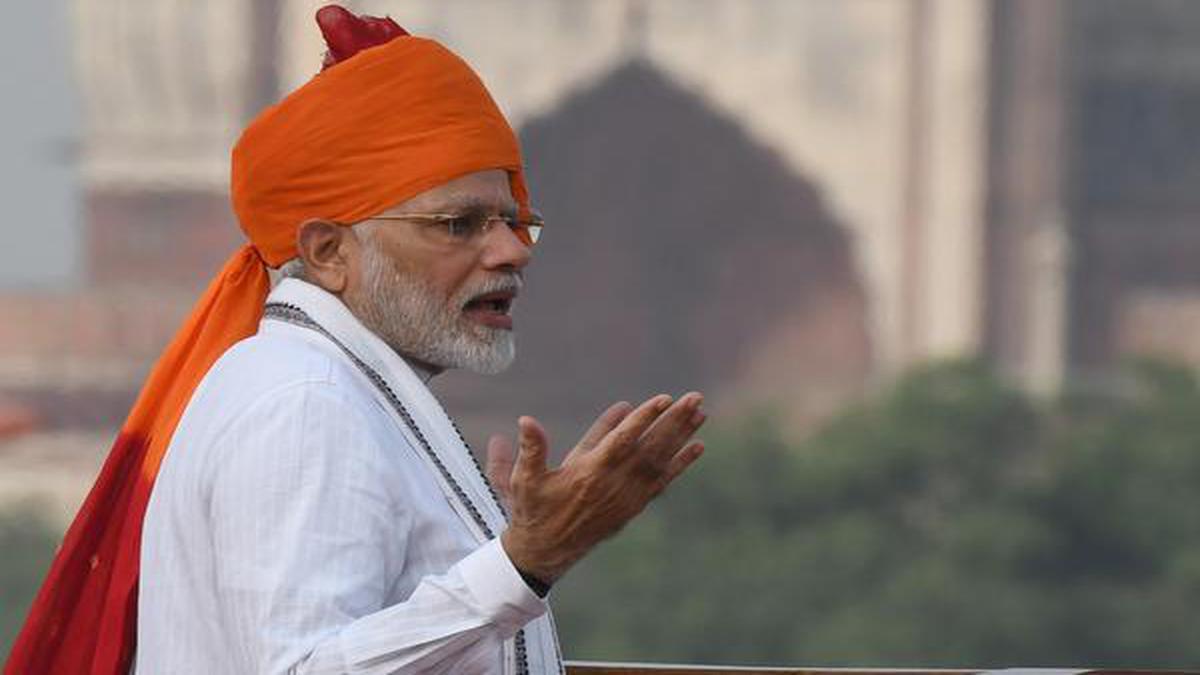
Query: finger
(674, 427)
(622, 441)
(534, 447)
(683, 459)
(606, 422)
(500, 458)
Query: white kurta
(299, 525)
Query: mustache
(507, 282)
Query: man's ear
(329, 252)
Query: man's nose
(503, 249)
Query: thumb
(534, 447)
(500, 458)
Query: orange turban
(362, 136)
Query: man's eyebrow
(476, 205)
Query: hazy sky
(39, 131)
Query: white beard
(407, 314)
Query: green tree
(953, 521)
(1124, 495)
(27, 543)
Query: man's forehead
(488, 190)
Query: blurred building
(1092, 200)
(914, 179)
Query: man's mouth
(491, 309)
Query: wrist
(529, 564)
(540, 588)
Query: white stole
(459, 475)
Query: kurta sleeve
(302, 520)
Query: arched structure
(680, 254)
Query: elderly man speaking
(287, 496)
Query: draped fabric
(360, 137)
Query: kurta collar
(333, 315)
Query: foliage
(27, 543)
(954, 521)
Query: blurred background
(935, 263)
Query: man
(308, 506)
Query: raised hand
(626, 459)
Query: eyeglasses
(469, 227)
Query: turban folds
(362, 136)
